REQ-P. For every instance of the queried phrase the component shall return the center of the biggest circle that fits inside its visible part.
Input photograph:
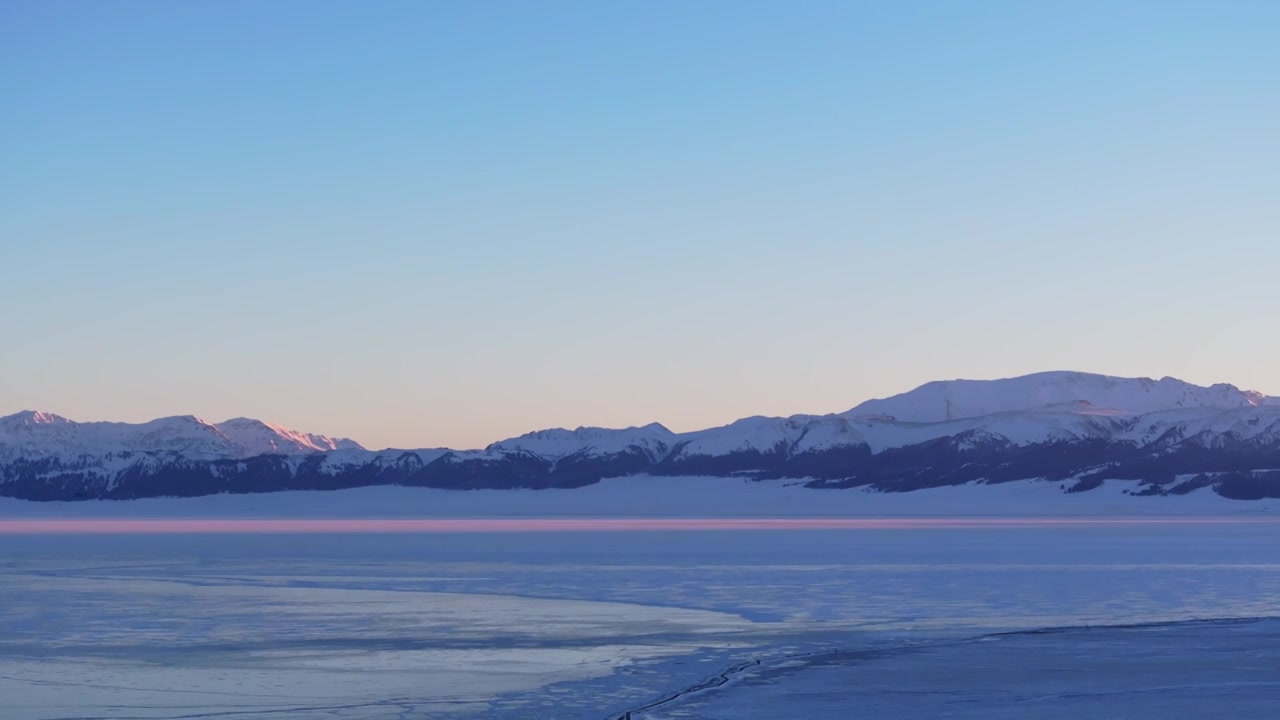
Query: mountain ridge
(943, 400)
(184, 434)
(937, 401)
(1076, 427)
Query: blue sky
(444, 223)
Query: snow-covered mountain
(259, 438)
(653, 441)
(31, 434)
(1078, 429)
(957, 399)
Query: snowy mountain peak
(941, 401)
(758, 434)
(33, 434)
(652, 439)
(32, 417)
(178, 422)
(262, 438)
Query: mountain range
(1078, 429)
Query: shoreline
(662, 498)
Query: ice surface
(589, 625)
(1161, 672)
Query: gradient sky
(445, 223)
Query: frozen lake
(589, 623)
(1189, 670)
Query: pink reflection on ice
(161, 526)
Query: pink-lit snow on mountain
(33, 434)
(260, 438)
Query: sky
(445, 223)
